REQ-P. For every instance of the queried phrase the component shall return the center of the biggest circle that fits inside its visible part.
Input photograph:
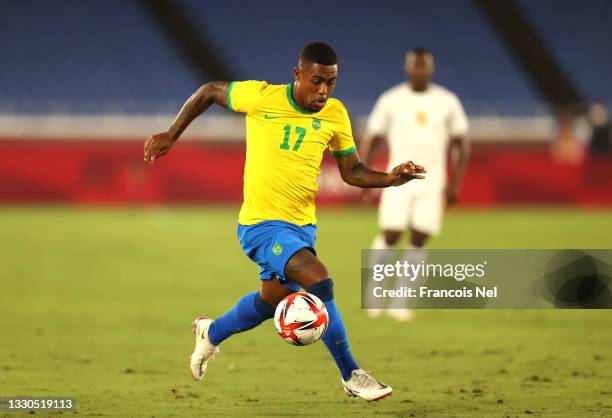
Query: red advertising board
(103, 172)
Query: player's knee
(272, 299)
(313, 274)
(305, 269)
(392, 237)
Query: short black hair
(318, 53)
(419, 50)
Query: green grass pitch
(97, 304)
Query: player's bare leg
(418, 239)
(392, 237)
(272, 291)
(305, 269)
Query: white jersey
(418, 126)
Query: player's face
(419, 68)
(317, 83)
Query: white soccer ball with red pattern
(301, 319)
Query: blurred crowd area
(88, 80)
(591, 132)
(114, 56)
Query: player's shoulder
(393, 96)
(250, 83)
(336, 107)
(260, 85)
(443, 92)
(335, 103)
(394, 92)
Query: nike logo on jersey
(338, 342)
(266, 116)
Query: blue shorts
(272, 243)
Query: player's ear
(296, 73)
(431, 64)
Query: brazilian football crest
(316, 124)
(277, 249)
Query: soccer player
(423, 120)
(288, 127)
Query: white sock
(412, 255)
(376, 257)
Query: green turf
(97, 304)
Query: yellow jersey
(284, 149)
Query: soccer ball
(301, 319)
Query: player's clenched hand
(405, 172)
(156, 146)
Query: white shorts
(401, 207)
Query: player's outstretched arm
(159, 144)
(356, 173)
(369, 146)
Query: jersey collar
(294, 104)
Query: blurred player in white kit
(421, 121)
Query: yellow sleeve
(243, 96)
(342, 142)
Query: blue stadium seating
(108, 56)
(87, 56)
(262, 39)
(580, 37)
